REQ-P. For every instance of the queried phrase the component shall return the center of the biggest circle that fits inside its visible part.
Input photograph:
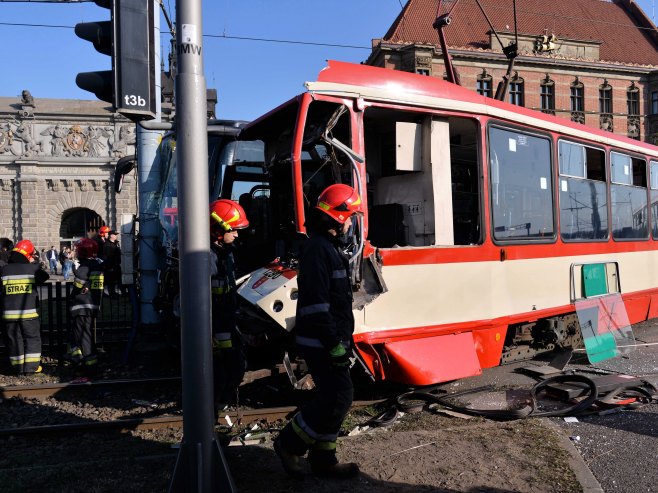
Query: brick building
(591, 61)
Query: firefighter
(19, 308)
(86, 299)
(101, 239)
(324, 327)
(226, 218)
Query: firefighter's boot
(347, 470)
(291, 463)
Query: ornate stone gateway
(58, 156)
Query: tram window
(421, 169)
(582, 192)
(654, 198)
(628, 197)
(521, 186)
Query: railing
(113, 324)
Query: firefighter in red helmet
(85, 303)
(324, 326)
(226, 218)
(101, 239)
(20, 276)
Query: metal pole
(148, 172)
(200, 466)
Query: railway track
(45, 390)
(242, 416)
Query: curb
(583, 474)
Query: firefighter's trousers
(83, 336)
(24, 342)
(229, 366)
(315, 428)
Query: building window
(633, 120)
(654, 102)
(547, 93)
(516, 91)
(423, 71)
(633, 99)
(605, 107)
(577, 101)
(605, 98)
(484, 85)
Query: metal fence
(113, 324)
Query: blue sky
(251, 77)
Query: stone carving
(27, 99)
(84, 185)
(6, 138)
(94, 146)
(5, 184)
(578, 117)
(69, 184)
(97, 184)
(126, 137)
(634, 127)
(31, 147)
(54, 184)
(606, 122)
(75, 141)
(58, 136)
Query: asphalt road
(620, 448)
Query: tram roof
(397, 87)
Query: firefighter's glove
(339, 357)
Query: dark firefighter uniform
(86, 299)
(324, 322)
(228, 355)
(19, 312)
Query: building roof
(626, 33)
(45, 106)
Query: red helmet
(339, 201)
(25, 247)
(86, 248)
(104, 230)
(225, 216)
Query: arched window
(633, 103)
(516, 90)
(577, 91)
(547, 94)
(485, 84)
(605, 106)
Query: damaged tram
(487, 225)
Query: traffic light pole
(200, 466)
(149, 171)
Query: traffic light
(128, 38)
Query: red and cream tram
(483, 220)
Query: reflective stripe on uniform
(33, 357)
(17, 360)
(219, 286)
(302, 434)
(324, 437)
(97, 281)
(311, 309)
(22, 280)
(339, 274)
(85, 306)
(222, 340)
(16, 277)
(308, 341)
(20, 314)
(322, 445)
